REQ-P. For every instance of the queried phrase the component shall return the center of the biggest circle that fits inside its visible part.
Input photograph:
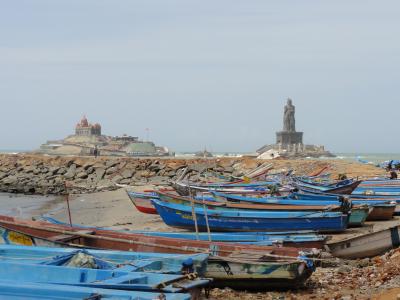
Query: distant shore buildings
(88, 137)
(289, 142)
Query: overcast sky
(212, 74)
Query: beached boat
(358, 214)
(243, 220)
(117, 279)
(142, 201)
(317, 195)
(39, 291)
(27, 232)
(186, 189)
(107, 259)
(254, 238)
(281, 265)
(236, 271)
(381, 212)
(366, 245)
(298, 239)
(343, 188)
(216, 203)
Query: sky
(202, 74)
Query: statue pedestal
(289, 138)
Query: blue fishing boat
(17, 271)
(38, 291)
(326, 196)
(256, 238)
(299, 238)
(284, 200)
(345, 188)
(253, 270)
(243, 220)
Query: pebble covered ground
(376, 278)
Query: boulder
(88, 165)
(105, 184)
(10, 180)
(53, 170)
(81, 175)
(90, 170)
(111, 163)
(158, 180)
(117, 178)
(111, 170)
(71, 172)
(127, 173)
(100, 173)
(62, 171)
(229, 169)
(125, 181)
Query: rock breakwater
(37, 174)
(40, 174)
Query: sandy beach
(113, 209)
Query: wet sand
(106, 209)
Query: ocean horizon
(348, 156)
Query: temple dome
(84, 122)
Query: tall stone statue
(289, 123)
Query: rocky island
(88, 140)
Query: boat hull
(142, 202)
(381, 212)
(218, 222)
(367, 245)
(358, 216)
(24, 232)
(257, 276)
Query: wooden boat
(366, 245)
(26, 232)
(41, 291)
(116, 279)
(357, 217)
(381, 212)
(316, 195)
(107, 259)
(256, 273)
(241, 220)
(343, 203)
(281, 265)
(257, 238)
(298, 239)
(142, 201)
(187, 189)
(345, 189)
(250, 275)
(215, 204)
